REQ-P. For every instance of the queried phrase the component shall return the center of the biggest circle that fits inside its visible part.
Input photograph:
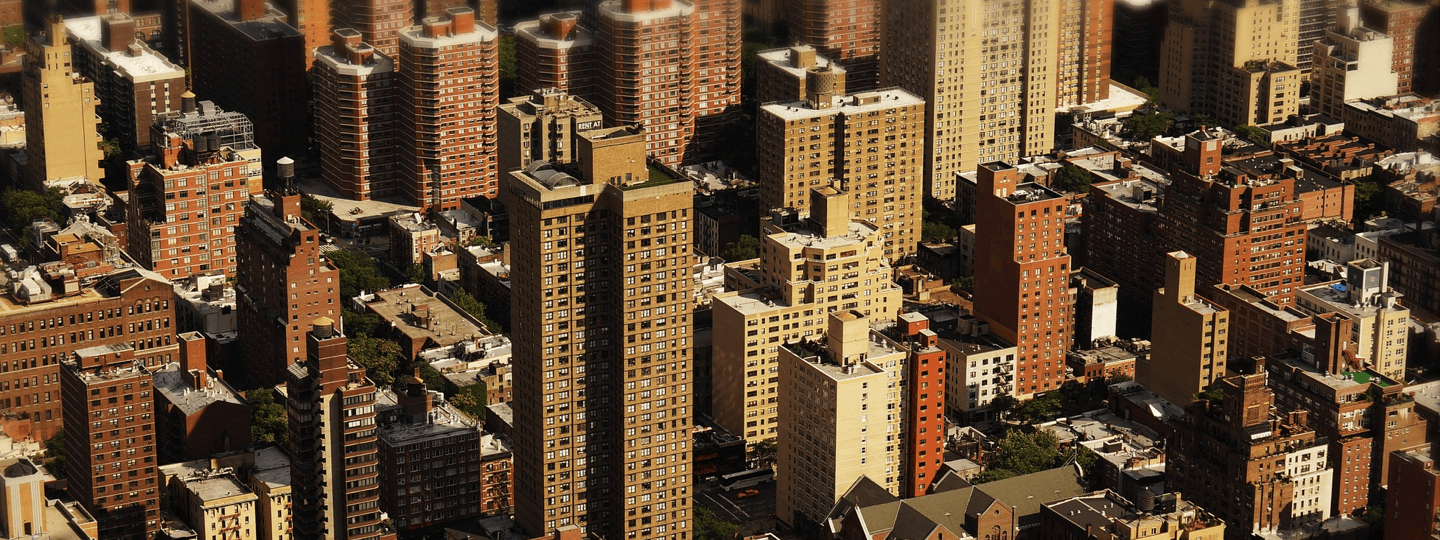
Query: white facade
(1311, 476)
(1351, 63)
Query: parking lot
(756, 514)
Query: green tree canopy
(932, 231)
(380, 358)
(268, 423)
(357, 273)
(22, 207)
(1146, 126)
(471, 305)
(316, 211)
(55, 450)
(742, 249)
(709, 526)
(1024, 453)
(1254, 134)
(1072, 179)
(470, 399)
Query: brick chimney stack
(192, 360)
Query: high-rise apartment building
(1351, 62)
(415, 424)
(108, 401)
(1083, 59)
(922, 447)
(379, 22)
(782, 75)
(983, 105)
(1316, 18)
(1402, 21)
(1380, 337)
(246, 58)
(847, 31)
(134, 83)
(1233, 59)
(1252, 485)
(686, 89)
(355, 111)
(449, 88)
(601, 321)
(185, 201)
(1412, 500)
(785, 296)
(868, 146)
(335, 474)
(61, 141)
(282, 281)
(553, 52)
(312, 19)
(1022, 274)
(544, 126)
(229, 129)
(841, 418)
(1245, 229)
(1187, 347)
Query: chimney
(249, 10)
(192, 360)
(416, 402)
(117, 31)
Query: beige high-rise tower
(986, 69)
(1187, 351)
(61, 141)
(869, 146)
(1234, 59)
(601, 308)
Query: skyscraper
(553, 52)
(602, 342)
(982, 105)
(1084, 56)
(379, 22)
(1402, 21)
(847, 31)
(1187, 352)
(282, 281)
(354, 117)
(449, 88)
(830, 140)
(1351, 62)
(61, 141)
(135, 84)
(1234, 59)
(335, 475)
(1022, 274)
(107, 400)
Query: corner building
(449, 90)
(1022, 274)
(601, 258)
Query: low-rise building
(1108, 359)
(197, 413)
(1380, 322)
(1405, 123)
(419, 319)
(216, 504)
(411, 235)
(980, 367)
(429, 458)
(485, 274)
(1108, 515)
(206, 304)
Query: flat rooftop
(270, 26)
(853, 104)
(143, 67)
(780, 58)
(443, 325)
(218, 487)
(170, 382)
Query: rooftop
(418, 313)
(853, 104)
(780, 58)
(171, 383)
(217, 487)
(139, 65)
(270, 26)
(443, 421)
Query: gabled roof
(1026, 493)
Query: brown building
(59, 307)
(1188, 348)
(1107, 515)
(1250, 485)
(1120, 236)
(1402, 21)
(312, 19)
(282, 281)
(416, 425)
(954, 509)
(1022, 274)
(335, 477)
(184, 202)
(830, 141)
(497, 496)
(135, 84)
(597, 358)
(1412, 501)
(1405, 123)
(108, 401)
(1258, 325)
(61, 112)
(197, 413)
(1084, 55)
(1244, 228)
(544, 126)
(1233, 59)
(354, 117)
(682, 108)
(246, 58)
(782, 75)
(419, 320)
(379, 22)
(847, 31)
(1322, 196)
(439, 162)
(553, 52)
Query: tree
(470, 399)
(379, 357)
(1254, 134)
(1146, 126)
(765, 452)
(416, 273)
(316, 211)
(963, 284)
(932, 231)
(506, 51)
(992, 475)
(469, 304)
(22, 207)
(1072, 179)
(1366, 202)
(55, 450)
(268, 423)
(434, 380)
(1142, 83)
(708, 526)
(1025, 453)
(742, 249)
(1004, 403)
(357, 273)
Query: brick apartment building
(429, 458)
(135, 84)
(847, 31)
(553, 52)
(355, 118)
(109, 402)
(197, 413)
(449, 89)
(379, 22)
(544, 126)
(1084, 55)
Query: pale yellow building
(782, 74)
(1380, 329)
(1188, 348)
(805, 271)
(869, 146)
(986, 69)
(1233, 59)
(1352, 62)
(840, 419)
(270, 480)
(61, 137)
(215, 504)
